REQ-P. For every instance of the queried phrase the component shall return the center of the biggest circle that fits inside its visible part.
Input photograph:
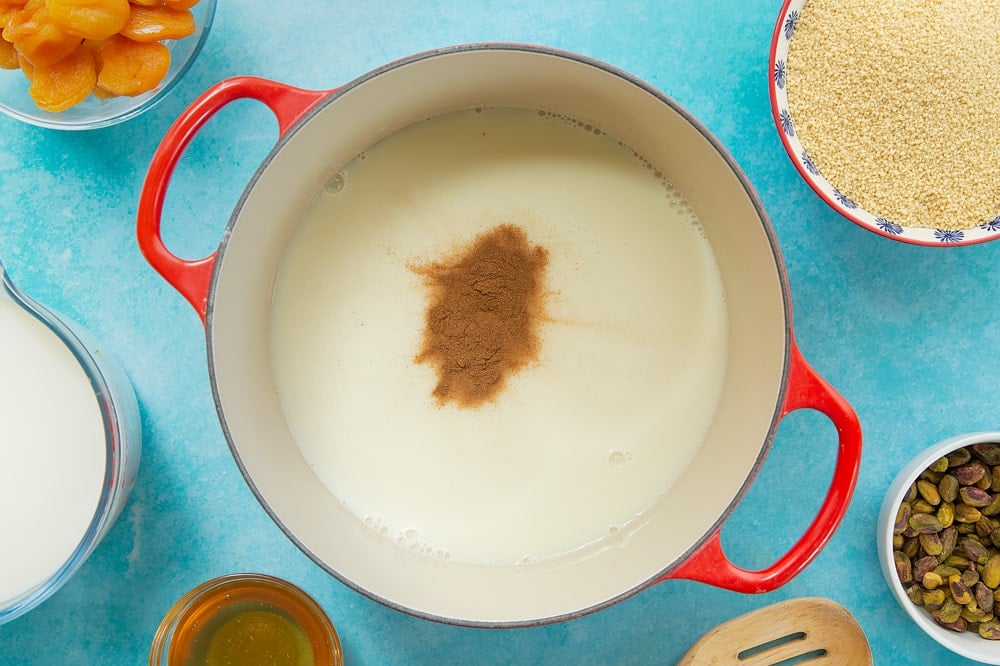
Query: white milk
(577, 445)
(52, 452)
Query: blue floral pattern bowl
(784, 31)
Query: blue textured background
(907, 334)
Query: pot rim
(722, 152)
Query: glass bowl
(60, 548)
(965, 643)
(246, 618)
(93, 113)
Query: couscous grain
(895, 104)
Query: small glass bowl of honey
(246, 619)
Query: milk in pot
(579, 443)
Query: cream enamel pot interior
(320, 131)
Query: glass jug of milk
(69, 449)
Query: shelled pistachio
(946, 540)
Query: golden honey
(246, 619)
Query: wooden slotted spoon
(798, 631)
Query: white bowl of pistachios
(939, 543)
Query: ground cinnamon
(485, 306)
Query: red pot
(765, 375)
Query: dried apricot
(5, 14)
(180, 4)
(125, 67)
(90, 19)
(37, 38)
(30, 5)
(146, 3)
(154, 24)
(26, 67)
(8, 55)
(101, 93)
(57, 87)
(94, 45)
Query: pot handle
(192, 277)
(806, 390)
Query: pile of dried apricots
(70, 49)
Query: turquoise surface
(908, 334)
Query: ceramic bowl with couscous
(77, 66)
(887, 110)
